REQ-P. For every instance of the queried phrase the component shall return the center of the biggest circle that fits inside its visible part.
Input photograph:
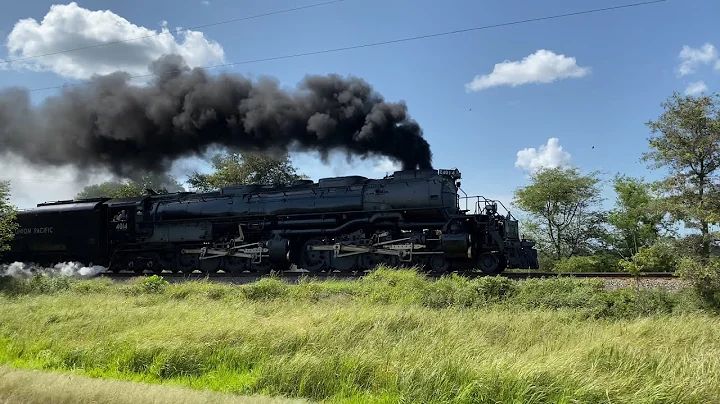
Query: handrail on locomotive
(490, 206)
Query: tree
(687, 144)
(561, 203)
(637, 219)
(160, 183)
(8, 224)
(246, 168)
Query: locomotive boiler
(409, 218)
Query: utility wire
(380, 43)
(163, 33)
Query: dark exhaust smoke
(183, 112)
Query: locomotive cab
(123, 216)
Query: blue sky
(626, 60)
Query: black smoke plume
(182, 112)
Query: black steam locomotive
(410, 218)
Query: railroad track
(296, 275)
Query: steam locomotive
(408, 218)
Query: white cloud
(32, 185)
(693, 57)
(549, 155)
(696, 87)
(543, 66)
(385, 165)
(71, 26)
(205, 2)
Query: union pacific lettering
(34, 230)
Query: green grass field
(34, 387)
(390, 337)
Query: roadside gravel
(649, 283)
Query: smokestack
(183, 112)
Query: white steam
(67, 269)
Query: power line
(163, 33)
(415, 38)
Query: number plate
(452, 173)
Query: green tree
(686, 142)
(8, 224)
(160, 183)
(246, 168)
(562, 203)
(637, 220)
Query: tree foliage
(564, 218)
(232, 169)
(637, 220)
(159, 183)
(686, 142)
(8, 224)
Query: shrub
(592, 263)
(557, 293)
(154, 284)
(705, 277)
(627, 303)
(37, 284)
(656, 258)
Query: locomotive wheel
(370, 261)
(137, 266)
(188, 263)
(209, 266)
(345, 264)
(234, 265)
(314, 261)
(490, 263)
(263, 268)
(438, 264)
(392, 261)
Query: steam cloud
(130, 130)
(67, 269)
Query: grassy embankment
(390, 336)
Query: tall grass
(33, 387)
(390, 337)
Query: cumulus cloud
(32, 185)
(690, 58)
(543, 66)
(696, 87)
(70, 26)
(549, 155)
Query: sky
(495, 103)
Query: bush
(705, 277)
(592, 263)
(154, 284)
(657, 258)
(37, 284)
(556, 293)
(625, 303)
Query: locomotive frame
(353, 223)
